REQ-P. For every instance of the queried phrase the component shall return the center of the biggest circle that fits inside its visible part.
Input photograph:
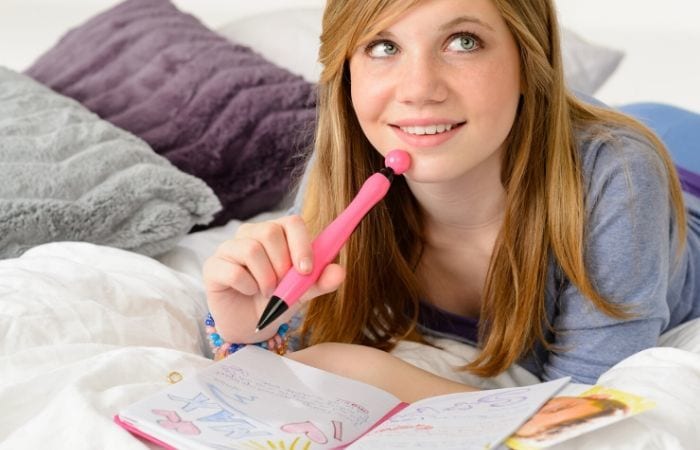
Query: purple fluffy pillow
(216, 110)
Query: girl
(547, 231)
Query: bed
(94, 317)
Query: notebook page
(464, 421)
(255, 398)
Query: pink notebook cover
(133, 430)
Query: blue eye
(464, 42)
(381, 49)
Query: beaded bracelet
(222, 349)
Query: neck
(461, 210)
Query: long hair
(541, 173)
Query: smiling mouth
(429, 129)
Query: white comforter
(89, 329)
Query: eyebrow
(451, 24)
(462, 19)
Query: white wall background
(662, 44)
(28, 27)
(661, 39)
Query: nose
(421, 81)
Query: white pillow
(586, 65)
(293, 44)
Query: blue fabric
(678, 128)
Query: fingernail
(305, 265)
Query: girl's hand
(243, 273)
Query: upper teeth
(430, 129)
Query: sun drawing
(296, 444)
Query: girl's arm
(629, 251)
(378, 368)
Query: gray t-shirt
(630, 253)
(630, 249)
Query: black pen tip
(275, 308)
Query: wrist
(222, 348)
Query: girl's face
(441, 82)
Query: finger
(273, 238)
(299, 242)
(220, 275)
(330, 280)
(251, 255)
(272, 235)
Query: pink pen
(329, 242)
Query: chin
(431, 176)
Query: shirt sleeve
(627, 252)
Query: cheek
(369, 97)
(497, 96)
(358, 91)
(360, 101)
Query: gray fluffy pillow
(69, 175)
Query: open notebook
(255, 399)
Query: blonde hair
(541, 173)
